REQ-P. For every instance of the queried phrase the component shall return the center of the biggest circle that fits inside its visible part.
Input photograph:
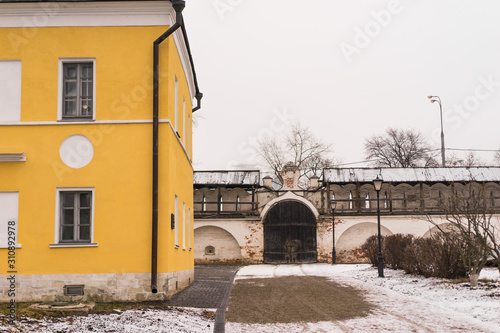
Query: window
(10, 91)
(176, 107)
(78, 90)
(75, 216)
(9, 211)
(184, 122)
(204, 204)
(210, 250)
(176, 222)
(367, 201)
(350, 200)
(188, 134)
(189, 228)
(238, 204)
(183, 225)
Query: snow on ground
(178, 320)
(405, 303)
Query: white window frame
(57, 229)
(176, 107)
(176, 222)
(189, 228)
(5, 219)
(60, 86)
(188, 134)
(184, 122)
(183, 225)
(11, 85)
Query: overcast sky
(346, 69)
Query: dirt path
(290, 299)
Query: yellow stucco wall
(121, 169)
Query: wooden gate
(290, 234)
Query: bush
(434, 256)
(394, 249)
(370, 247)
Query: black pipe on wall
(178, 6)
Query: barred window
(76, 216)
(78, 90)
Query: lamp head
(377, 183)
(333, 203)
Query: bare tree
(469, 227)
(469, 160)
(301, 147)
(400, 148)
(496, 157)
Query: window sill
(73, 245)
(75, 120)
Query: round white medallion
(76, 151)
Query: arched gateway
(290, 233)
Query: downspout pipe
(198, 94)
(178, 6)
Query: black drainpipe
(178, 6)
(198, 94)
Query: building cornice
(98, 14)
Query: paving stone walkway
(211, 283)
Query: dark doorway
(290, 234)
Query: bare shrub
(370, 247)
(434, 256)
(394, 249)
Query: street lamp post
(334, 253)
(437, 99)
(377, 183)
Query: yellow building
(96, 194)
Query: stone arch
(290, 232)
(222, 244)
(287, 197)
(435, 229)
(349, 243)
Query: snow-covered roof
(227, 178)
(402, 175)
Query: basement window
(210, 250)
(73, 290)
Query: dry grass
(291, 299)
